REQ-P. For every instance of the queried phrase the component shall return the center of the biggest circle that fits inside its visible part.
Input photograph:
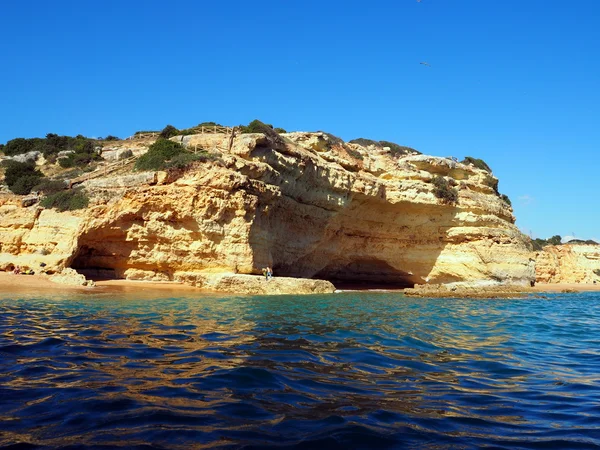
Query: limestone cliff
(568, 263)
(306, 204)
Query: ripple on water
(353, 370)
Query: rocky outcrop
(568, 263)
(70, 277)
(308, 205)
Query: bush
(256, 126)
(69, 200)
(168, 132)
(21, 177)
(126, 154)
(354, 153)
(444, 191)
(24, 185)
(47, 186)
(555, 240)
(491, 182)
(506, 200)
(110, 137)
(364, 142)
(183, 160)
(159, 154)
(395, 149)
(279, 130)
(479, 163)
(597, 272)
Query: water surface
(352, 370)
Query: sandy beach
(39, 283)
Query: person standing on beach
(269, 273)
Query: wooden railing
(143, 135)
(102, 171)
(214, 129)
(205, 129)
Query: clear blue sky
(514, 82)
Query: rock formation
(568, 263)
(306, 204)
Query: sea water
(351, 370)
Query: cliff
(568, 263)
(306, 204)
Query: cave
(365, 273)
(86, 263)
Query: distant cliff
(568, 263)
(308, 205)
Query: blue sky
(516, 83)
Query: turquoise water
(352, 370)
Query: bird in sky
(425, 64)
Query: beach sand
(10, 282)
(40, 283)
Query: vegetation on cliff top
(165, 154)
(395, 149)
(68, 200)
(444, 191)
(21, 177)
(479, 163)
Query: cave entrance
(88, 262)
(366, 273)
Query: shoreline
(37, 283)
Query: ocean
(354, 370)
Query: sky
(513, 82)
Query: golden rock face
(308, 207)
(568, 263)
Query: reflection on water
(352, 370)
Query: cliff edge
(306, 204)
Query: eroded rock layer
(306, 204)
(568, 263)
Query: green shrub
(555, 240)
(256, 126)
(182, 161)
(364, 142)
(479, 163)
(168, 132)
(581, 241)
(66, 200)
(597, 272)
(354, 153)
(491, 182)
(395, 149)
(66, 162)
(126, 154)
(158, 155)
(538, 244)
(110, 137)
(506, 200)
(444, 191)
(48, 186)
(21, 177)
(279, 130)
(24, 185)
